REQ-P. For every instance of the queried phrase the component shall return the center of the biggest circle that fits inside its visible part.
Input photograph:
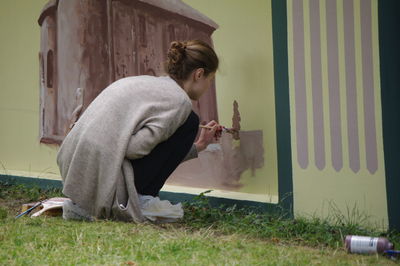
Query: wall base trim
(174, 197)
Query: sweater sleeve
(163, 107)
(159, 125)
(143, 142)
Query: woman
(134, 135)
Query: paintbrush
(29, 210)
(224, 129)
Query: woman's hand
(211, 132)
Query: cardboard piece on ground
(49, 207)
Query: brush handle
(202, 126)
(29, 210)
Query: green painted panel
(279, 29)
(389, 44)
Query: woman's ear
(199, 73)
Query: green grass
(206, 236)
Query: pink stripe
(299, 84)
(318, 110)
(368, 80)
(333, 81)
(351, 92)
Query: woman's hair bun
(176, 52)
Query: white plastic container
(366, 244)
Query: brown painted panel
(83, 57)
(124, 35)
(69, 68)
(150, 49)
(154, 30)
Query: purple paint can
(366, 244)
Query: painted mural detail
(48, 75)
(351, 85)
(317, 100)
(335, 118)
(88, 44)
(78, 109)
(236, 121)
(369, 90)
(313, 82)
(300, 84)
(222, 164)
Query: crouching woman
(134, 135)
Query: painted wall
(337, 148)
(334, 89)
(246, 75)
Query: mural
(88, 44)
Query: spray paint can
(366, 244)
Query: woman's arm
(207, 136)
(143, 142)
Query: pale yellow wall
(19, 93)
(243, 42)
(316, 190)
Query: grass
(206, 236)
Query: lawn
(206, 236)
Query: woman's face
(201, 85)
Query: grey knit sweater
(126, 121)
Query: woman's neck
(185, 85)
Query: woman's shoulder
(145, 81)
(131, 80)
(162, 86)
(157, 88)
